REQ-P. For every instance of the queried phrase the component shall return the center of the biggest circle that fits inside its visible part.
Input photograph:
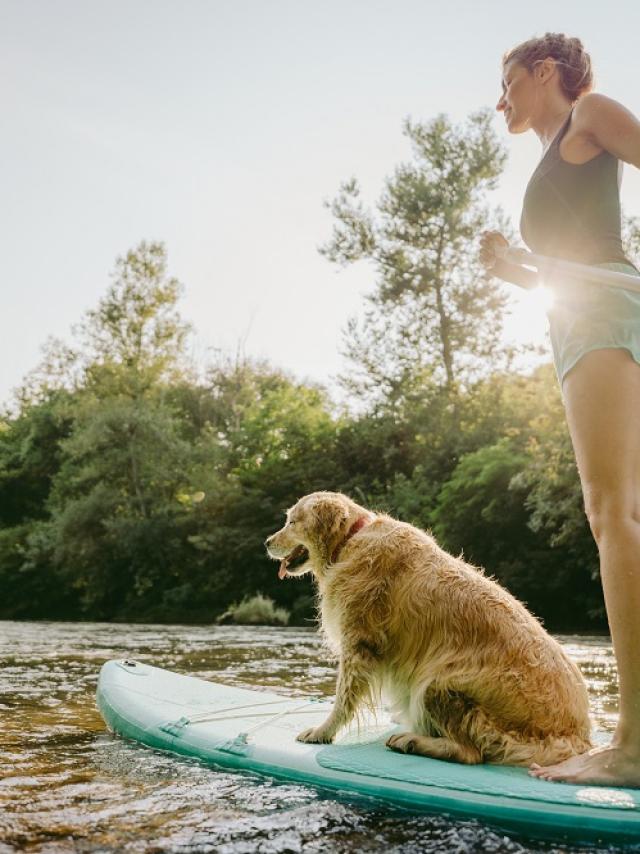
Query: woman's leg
(602, 401)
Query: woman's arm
(492, 246)
(609, 125)
(515, 274)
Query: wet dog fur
(470, 673)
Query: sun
(535, 303)
(526, 321)
(542, 298)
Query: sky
(221, 127)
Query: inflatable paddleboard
(246, 730)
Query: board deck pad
(250, 730)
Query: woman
(571, 210)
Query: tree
(631, 238)
(114, 501)
(135, 337)
(30, 456)
(435, 315)
(277, 443)
(555, 504)
(515, 507)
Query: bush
(258, 610)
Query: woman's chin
(515, 126)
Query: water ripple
(68, 786)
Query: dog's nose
(267, 541)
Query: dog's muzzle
(298, 552)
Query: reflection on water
(67, 785)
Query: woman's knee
(609, 515)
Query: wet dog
(470, 673)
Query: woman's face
(519, 97)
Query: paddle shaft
(559, 268)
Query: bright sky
(220, 126)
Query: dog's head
(316, 525)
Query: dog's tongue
(282, 572)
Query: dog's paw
(404, 742)
(315, 735)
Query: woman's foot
(601, 766)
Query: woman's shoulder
(604, 124)
(592, 108)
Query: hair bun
(574, 63)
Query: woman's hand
(489, 241)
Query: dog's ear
(330, 516)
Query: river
(68, 785)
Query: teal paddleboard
(255, 731)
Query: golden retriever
(467, 669)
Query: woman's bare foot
(601, 766)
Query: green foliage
(477, 501)
(256, 610)
(435, 316)
(135, 336)
(631, 238)
(32, 585)
(30, 457)
(132, 490)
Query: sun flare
(527, 321)
(542, 298)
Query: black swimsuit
(572, 210)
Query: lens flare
(543, 297)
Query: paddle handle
(559, 269)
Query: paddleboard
(255, 731)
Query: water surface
(67, 785)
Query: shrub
(257, 610)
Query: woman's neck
(547, 129)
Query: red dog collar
(357, 525)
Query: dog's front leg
(354, 673)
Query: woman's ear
(545, 69)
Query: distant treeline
(133, 487)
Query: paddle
(555, 270)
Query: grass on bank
(256, 610)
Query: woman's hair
(574, 63)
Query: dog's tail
(509, 747)
(547, 751)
